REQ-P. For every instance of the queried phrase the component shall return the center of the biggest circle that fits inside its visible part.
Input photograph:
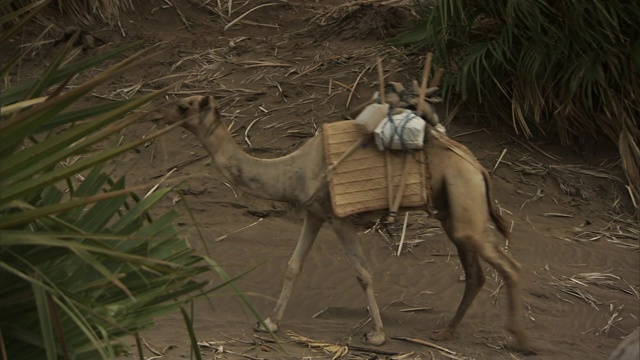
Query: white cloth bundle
(403, 131)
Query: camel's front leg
(347, 235)
(310, 229)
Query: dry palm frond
(361, 18)
(624, 244)
(331, 14)
(599, 173)
(608, 281)
(259, 63)
(614, 232)
(577, 289)
(578, 284)
(569, 183)
(613, 319)
(247, 13)
(443, 350)
(337, 351)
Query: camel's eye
(183, 109)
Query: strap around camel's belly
(359, 182)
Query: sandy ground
(280, 73)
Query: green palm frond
(80, 11)
(564, 68)
(82, 263)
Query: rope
(397, 130)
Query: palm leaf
(541, 65)
(81, 265)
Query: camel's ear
(205, 103)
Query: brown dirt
(566, 221)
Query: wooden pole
(423, 84)
(398, 198)
(381, 81)
(437, 77)
(387, 167)
(387, 155)
(393, 210)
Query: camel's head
(197, 113)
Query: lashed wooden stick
(347, 153)
(381, 80)
(423, 85)
(437, 78)
(387, 156)
(387, 166)
(393, 210)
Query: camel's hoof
(270, 326)
(440, 335)
(375, 338)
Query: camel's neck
(292, 178)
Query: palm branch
(567, 69)
(82, 263)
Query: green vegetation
(568, 69)
(82, 12)
(82, 262)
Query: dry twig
(337, 351)
(425, 343)
(246, 13)
(237, 231)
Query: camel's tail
(501, 223)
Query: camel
(629, 348)
(461, 194)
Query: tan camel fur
(461, 196)
(629, 348)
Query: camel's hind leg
(509, 270)
(471, 247)
(347, 235)
(310, 229)
(474, 281)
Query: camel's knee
(507, 267)
(510, 274)
(460, 236)
(473, 270)
(474, 276)
(513, 262)
(512, 277)
(294, 268)
(364, 280)
(468, 239)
